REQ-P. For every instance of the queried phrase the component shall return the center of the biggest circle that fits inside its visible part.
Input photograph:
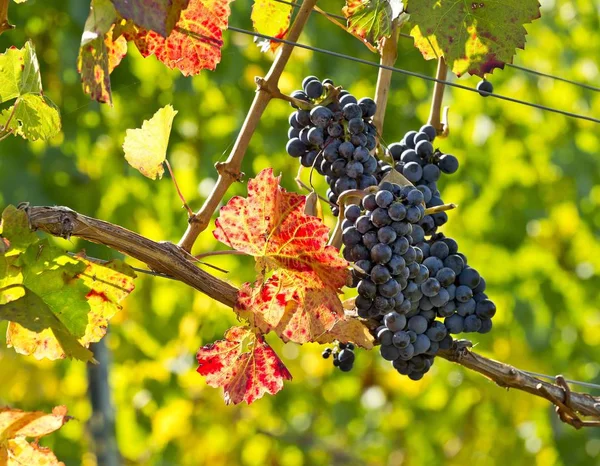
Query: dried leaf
(348, 329)
(243, 364)
(17, 425)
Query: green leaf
(146, 147)
(101, 18)
(35, 117)
(19, 73)
(56, 304)
(371, 19)
(157, 15)
(473, 37)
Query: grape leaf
(243, 364)
(101, 51)
(157, 15)
(195, 42)
(56, 304)
(270, 224)
(371, 20)
(348, 329)
(19, 73)
(474, 37)
(146, 147)
(287, 305)
(17, 425)
(271, 18)
(33, 117)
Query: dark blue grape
(313, 89)
(367, 288)
(430, 131)
(485, 309)
(413, 172)
(486, 325)
(368, 107)
(370, 239)
(389, 289)
(439, 249)
(395, 150)
(345, 183)
(308, 158)
(440, 299)
(394, 321)
(455, 263)
(381, 253)
(397, 211)
(422, 344)
(351, 111)
(454, 323)
(417, 324)
(295, 147)
(469, 277)
(389, 353)
(363, 224)
(434, 264)
(445, 276)
(369, 202)
(386, 235)
(321, 116)
(485, 88)
(356, 125)
(384, 198)
(431, 172)
(354, 169)
(472, 323)
(352, 212)
(316, 137)
(380, 217)
(380, 274)
(431, 287)
(410, 155)
(448, 164)
(424, 148)
(401, 339)
(463, 293)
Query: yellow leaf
(17, 425)
(146, 147)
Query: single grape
(463, 293)
(413, 172)
(448, 164)
(469, 277)
(381, 253)
(424, 148)
(295, 147)
(313, 89)
(321, 116)
(429, 130)
(422, 343)
(368, 107)
(454, 323)
(380, 274)
(472, 323)
(352, 212)
(431, 287)
(439, 249)
(445, 276)
(485, 88)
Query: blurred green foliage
(529, 218)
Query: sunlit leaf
(348, 329)
(146, 147)
(271, 18)
(195, 42)
(473, 37)
(16, 426)
(371, 19)
(157, 15)
(243, 364)
(33, 117)
(301, 299)
(56, 304)
(19, 73)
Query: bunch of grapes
(336, 137)
(407, 283)
(422, 164)
(342, 354)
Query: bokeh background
(529, 219)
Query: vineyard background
(528, 195)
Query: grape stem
(172, 261)
(230, 170)
(439, 208)
(440, 126)
(352, 196)
(4, 24)
(389, 54)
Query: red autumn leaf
(286, 305)
(157, 15)
(243, 364)
(300, 301)
(195, 42)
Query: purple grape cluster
(342, 355)
(337, 138)
(408, 283)
(422, 164)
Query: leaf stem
(185, 204)
(436, 102)
(389, 54)
(230, 170)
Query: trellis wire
(518, 67)
(409, 73)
